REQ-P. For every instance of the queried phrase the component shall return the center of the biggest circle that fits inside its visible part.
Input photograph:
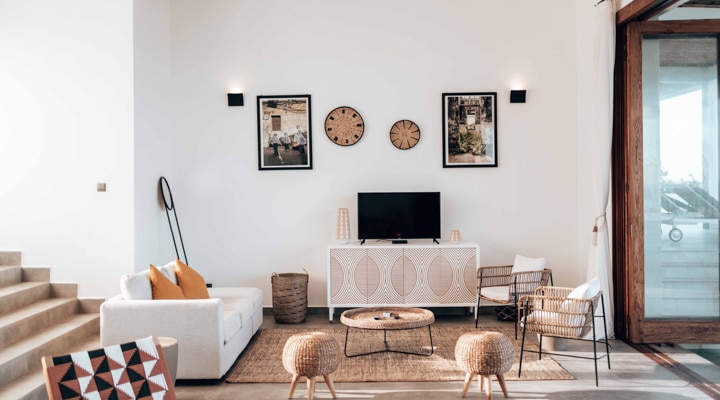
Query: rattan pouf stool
(311, 355)
(485, 354)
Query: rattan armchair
(500, 285)
(549, 312)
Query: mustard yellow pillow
(162, 287)
(190, 281)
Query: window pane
(680, 169)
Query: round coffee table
(387, 318)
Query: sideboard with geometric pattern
(406, 275)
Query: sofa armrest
(125, 320)
(196, 324)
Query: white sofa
(211, 333)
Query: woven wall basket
(289, 297)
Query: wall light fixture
(235, 100)
(517, 96)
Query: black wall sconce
(517, 96)
(235, 100)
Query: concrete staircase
(38, 318)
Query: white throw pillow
(587, 290)
(523, 264)
(136, 286)
(169, 271)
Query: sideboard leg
(332, 313)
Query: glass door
(666, 262)
(680, 177)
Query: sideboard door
(348, 271)
(385, 275)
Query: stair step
(10, 275)
(24, 322)
(35, 274)
(22, 294)
(10, 258)
(28, 387)
(24, 355)
(31, 386)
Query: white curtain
(600, 132)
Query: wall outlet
(101, 187)
(208, 284)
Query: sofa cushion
(232, 323)
(169, 271)
(136, 286)
(523, 264)
(231, 294)
(162, 287)
(240, 304)
(190, 281)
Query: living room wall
(390, 61)
(66, 123)
(130, 91)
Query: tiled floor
(633, 376)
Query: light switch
(101, 187)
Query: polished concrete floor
(634, 376)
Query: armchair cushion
(587, 290)
(523, 263)
(498, 293)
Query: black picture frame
(283, 122)
(469, 129)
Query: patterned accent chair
(134, 370)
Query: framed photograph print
(284, 132)
(469, 130)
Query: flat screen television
(398, 215)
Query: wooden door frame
(628, 220)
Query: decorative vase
(342, 230)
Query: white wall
(66, 122)
(153, 130)
(390, 61)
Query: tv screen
(399, 215)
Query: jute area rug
(262, 360)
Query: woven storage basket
(289, 297)
(506, 313)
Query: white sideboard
(404, 275)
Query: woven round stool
(311, 354)
(485, 354)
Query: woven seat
(485, 354)
(311, 355)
